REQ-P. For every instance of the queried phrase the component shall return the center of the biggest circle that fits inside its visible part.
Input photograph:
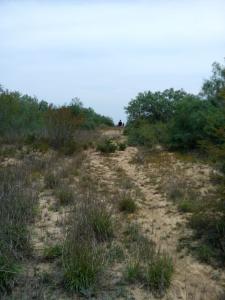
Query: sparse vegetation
(147, 265)
(51, 180)
(91, 246)
(65, 194)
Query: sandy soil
(162, 222)
(158, 218)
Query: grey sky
(105, 52)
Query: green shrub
(122, 146)
(127, 204)
(107, 146)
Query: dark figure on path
(120, 123)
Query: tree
(213, 89)
(154, 107)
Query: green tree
(213, 89)
(154, 107)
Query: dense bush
(180, 120)
(194, 120)
(22, 116)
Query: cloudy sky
(105, 52)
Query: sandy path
(159, 219)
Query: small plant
(65, 195)
(122, 146)
(187, 206)
(51, 180)
(127, 204)
(53, 252)
(107, 146)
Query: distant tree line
(182, 121)
(22, 116)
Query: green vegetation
(53, 252)
(17, 210)
(84, 255)
(24, 118)
(181, 121)
(184, 122)
(127, 204)
(101, 223)
(107, 146)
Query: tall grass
(17, 210)
(84, 256)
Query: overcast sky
(105, 52)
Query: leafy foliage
(22, 116)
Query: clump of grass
(132, 271)
(101, 222)
(158, 273)
(82, 261)
(51, 180)
(52, 252)
(65, 195)
(127, 204)
(107, 146)
(84, 254)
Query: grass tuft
(127, 204)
